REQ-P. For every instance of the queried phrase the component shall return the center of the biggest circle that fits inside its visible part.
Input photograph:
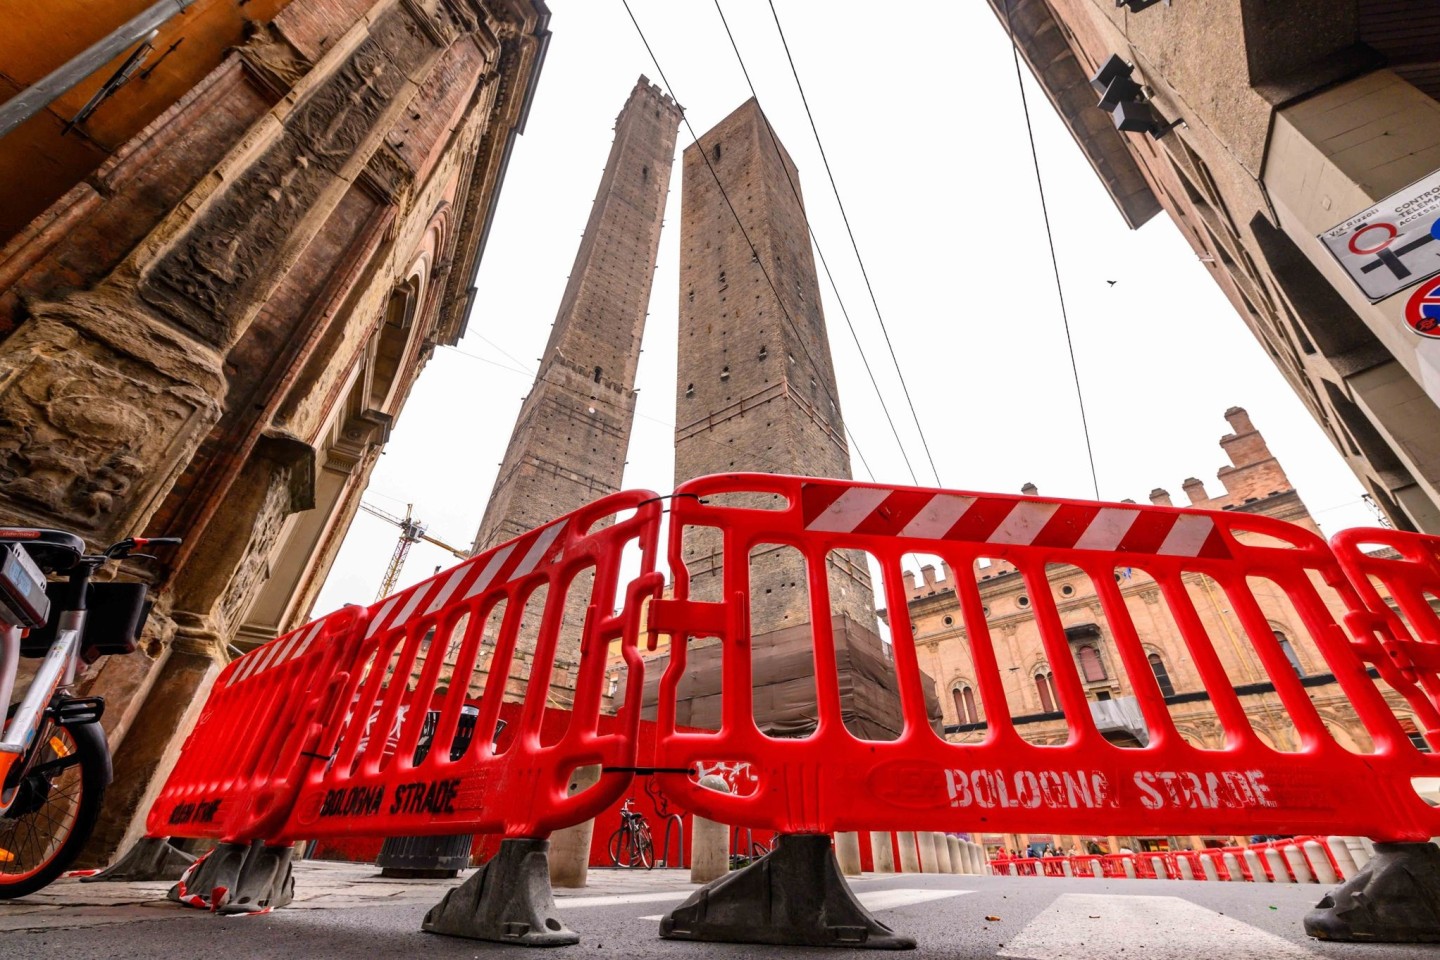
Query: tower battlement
(652, 91)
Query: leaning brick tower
(756, 392)
(571, 435)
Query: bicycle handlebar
(123, 549)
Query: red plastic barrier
(239, 770)
(1401, 639)
(832, 780)
(366, 769)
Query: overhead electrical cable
(853, 244)
(754, 251)
(536, 378)
(1050, 238)
(775, 142)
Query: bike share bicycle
(54, 760)
(631, 845)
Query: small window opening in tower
(725, 374)
(715, 153)
(597, 374)
(645, 174)
(764, 353)
(689, 391)
(722, 276)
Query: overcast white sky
(920, 116)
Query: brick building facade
(1294, 116)
(225, 298)
(1254, 482)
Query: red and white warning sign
(1422, 312)
(1394, 244)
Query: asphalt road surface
(346, 911)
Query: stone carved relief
(254, 568)
(273, 59)
(210, 277)
(391, 176)
(291, 489)
(88, 421)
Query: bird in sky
(1112, 282)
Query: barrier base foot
(508, 900)
(152, 858)
(1395, 898)
(238, 878)
(793, 896)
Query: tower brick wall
(756, 392)
(570, 438)
(569, 443)
(756, 387)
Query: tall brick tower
(757, 392)
(569, 443)
(570, 438)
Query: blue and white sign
(1394, 244)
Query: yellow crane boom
(412, 531)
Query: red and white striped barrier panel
(1292, 860)
(240, 769)
(1402, 642)
(834, 781)
(323, 726)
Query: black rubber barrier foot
(266, 881)
(508, 900)
(238, 878)
(211, 877)
(153, 858)
(794, 896)
(1395, 898)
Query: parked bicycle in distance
(631, 845)
(54, 759)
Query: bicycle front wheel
(54, 803)
(620, 847)
(644, 850)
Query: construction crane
(412, 531)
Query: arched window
(965, 707)
(1045, 686)
(1091, 668)
(1289, 652)
(1162, 676)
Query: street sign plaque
(1394, 244)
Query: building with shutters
(1258, 125)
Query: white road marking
(1086, 926)
(620, 899)
(886, 899)
(903, 897)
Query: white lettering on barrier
(1232, 789)
(1091, 789)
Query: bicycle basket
(114, 617)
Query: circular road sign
(1422, 313)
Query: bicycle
(631, 844)
(54, 760)
(739, 860)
